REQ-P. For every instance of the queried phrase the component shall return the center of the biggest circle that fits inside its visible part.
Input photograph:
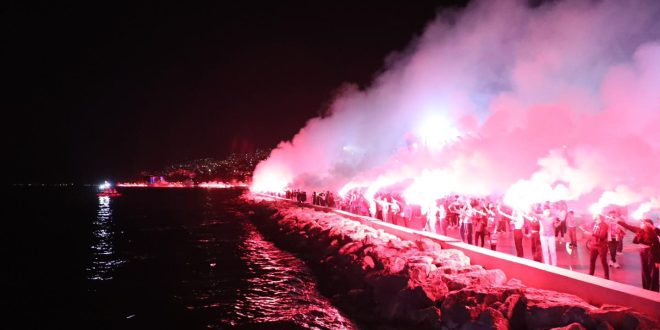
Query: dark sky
(105, 90)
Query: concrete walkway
(629, 273)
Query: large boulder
(356, 301)
(550, 309)
(515, 310)
(433, 286)
(622, 317)
(405, 305)
(418, 272)
(458, 270)
(394, 265)
(427, 318)
(384, 286)
(450, 258)
(351, 248)
(491, 318)
(427, 245)
(368, 263)
(419, 258)
(490, 277)
(572, 326)
(456, 309)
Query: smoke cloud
(556, 102)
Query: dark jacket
(600, 234)
(647, 237)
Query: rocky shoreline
(381, 280)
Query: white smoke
(562, 99)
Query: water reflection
(104, 258)
(281, 288)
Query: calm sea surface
(151, 259)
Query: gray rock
(572, 326)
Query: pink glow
(214, 185)
(558, 102)
(164, 184)
(220, 185)
(132, 184)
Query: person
(465, 225)
(492, 229)
(442, 216)
(621, 233)
(599, 246)
(480, 220)
(378, 206)
(518, 218)
(504, 222)
(535, 238)
(612, 236)
(549, 223)
(431, 219)
(387, 214)
(571, 225)
(454, 210)
(649, 256)
(363, 206)
(320, 199)
(560, 228)
(406, 215)
(395, 209)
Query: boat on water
(106, 190)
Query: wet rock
(418, 272)
(550, 309)
(381, 253)
(368, 263)
(455, 311)
(405, 305)
(396, 244)
(394, 265)
(384, 286)
(451, 258)
(371, 239)
(572, 326)
(514, 282)
(458, 270)
(426, 244)
(355, 301)
(427, 318)
(605, 326)
(621, 317)
(315, 231)
(475, 278)
(351, 248)
(491, 318)
(434, 287)
(515, 310)
(418, 258)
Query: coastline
(379, 278)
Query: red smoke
(560, 101)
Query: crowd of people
(483, 220)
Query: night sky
(105, 90)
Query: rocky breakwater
(379, 279)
